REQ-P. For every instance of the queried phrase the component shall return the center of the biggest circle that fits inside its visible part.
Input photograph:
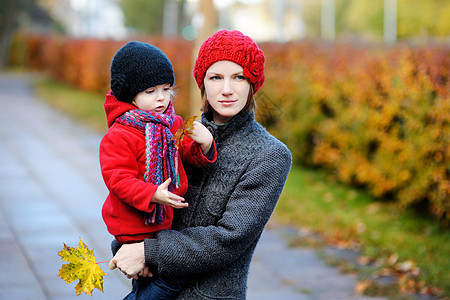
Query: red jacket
(122, 160)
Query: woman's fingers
(112, 264)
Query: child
(140, 164)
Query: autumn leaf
(362, 286)
(83, 266)
(181, 132)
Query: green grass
(378, 229)
(314, 201)
(85, 107)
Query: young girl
(140, 164)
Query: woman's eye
(241, 77)
(214, 78)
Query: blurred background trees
(281, 20)
(154, 17)
(145, 16)
(375, 117)
(421, 18)
(17, 14)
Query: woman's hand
(163, 196)
(201, 135)
(130, 260)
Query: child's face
(154, 99)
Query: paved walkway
(51, 193)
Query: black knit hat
(136, 67)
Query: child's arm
(163, 196)
(200, 134)
(120, 172)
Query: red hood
(115, 108)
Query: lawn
(83, 106)
(392, 242)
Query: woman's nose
(227, 88)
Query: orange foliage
(85, 63)
(377, 117)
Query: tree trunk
(7, 27)
(207, 29)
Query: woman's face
(226, 89)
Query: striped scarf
(161, 155)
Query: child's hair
(136, 67)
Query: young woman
(230, 201)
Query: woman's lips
(227, 102)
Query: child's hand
(163, 196)
(201, 135)
(144, 273)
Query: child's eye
(149, 91)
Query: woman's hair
(249, 106)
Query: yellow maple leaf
(181, 132)
(83, 266)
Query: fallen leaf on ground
(362, 286)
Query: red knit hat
(233, 46)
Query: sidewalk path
(51, 193)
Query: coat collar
(222, 131)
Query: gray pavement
(51, 193)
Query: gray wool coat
(230, 202)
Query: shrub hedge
(376, 117)
(85, 63)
